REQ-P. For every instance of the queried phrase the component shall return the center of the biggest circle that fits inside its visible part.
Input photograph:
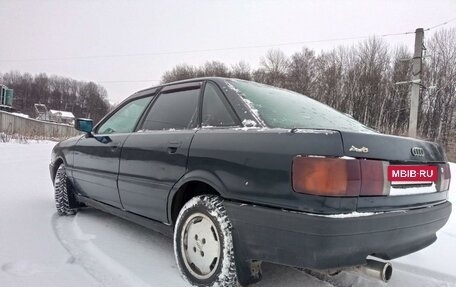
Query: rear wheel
(63, 193)
(203, 243)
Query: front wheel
(63, 193)
(203, 243)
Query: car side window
(125, 119)
(215, 111)
(173, 110)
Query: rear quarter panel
(254, 165)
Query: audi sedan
(239, 173)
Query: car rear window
(280, 108)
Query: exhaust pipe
(377, 268)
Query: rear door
(154, 158)
(96, 159)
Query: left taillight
(341, 177)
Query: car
(238, 173)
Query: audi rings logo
(417, 151)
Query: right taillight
(339, 176)
(443, 183)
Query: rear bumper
(304, 240)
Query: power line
(220, 49)
(292, 43)
(441, 24)
(203, 50)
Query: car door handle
(172, 149)
(114, 146)
(173, 146)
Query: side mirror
(83, 125)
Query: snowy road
(37, 248)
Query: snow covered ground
(37, 248)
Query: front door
(96, 158)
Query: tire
(203, 243)
(63, 193)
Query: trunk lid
(394, 149)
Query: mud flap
(248, 271)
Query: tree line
(360, 80)
(83, 99)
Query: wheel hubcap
(200, 246)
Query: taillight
(339, 176)
(374, 177)
(443, 183)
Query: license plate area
(412, 174)
(412, 179)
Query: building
(6, 98)
(61, 117)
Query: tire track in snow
(86, 254)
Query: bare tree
(273, 67)
(371, 95)
(241, 70)
(439, 101)
(180, 72)
(329, 77)
(301, 71)
(213, 69)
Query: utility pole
(416, 81)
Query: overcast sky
(105, 41)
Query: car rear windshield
(280, 108)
